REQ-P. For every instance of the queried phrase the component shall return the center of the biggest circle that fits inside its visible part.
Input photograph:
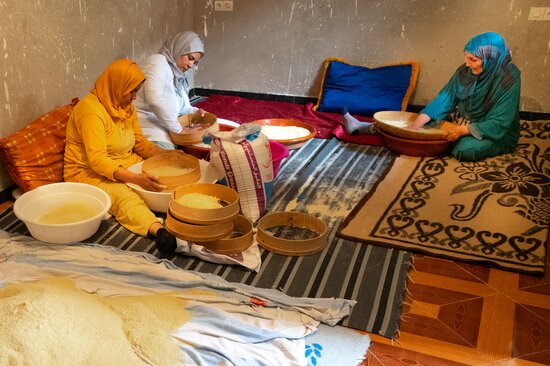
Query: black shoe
(166, 242)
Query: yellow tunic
(96, 146)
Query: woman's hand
(452, 132)
(148, 182)
(420, 121)
(195, 120)
(144, 180)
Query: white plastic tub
(31, 208)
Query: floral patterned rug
(494, 212)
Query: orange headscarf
(118, 79)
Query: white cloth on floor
(249, 258)
(227, 328)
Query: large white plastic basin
(159, 201)
(30, 206)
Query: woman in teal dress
(482, 98)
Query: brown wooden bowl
(205, 215)
(414, 147)
(291, 143)
(385, 121)
(175, 160)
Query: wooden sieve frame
(236, 245)
(292, 247)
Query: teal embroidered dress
(490, 100)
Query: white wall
(53, 50)
(278, 47)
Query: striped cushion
(33, 156)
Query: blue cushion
(365, 91)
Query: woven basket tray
(389, 121)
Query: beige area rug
(494, 212)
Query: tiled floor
(461, 314)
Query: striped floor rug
(326, 178)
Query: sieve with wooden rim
(396, 122)
(295, 223)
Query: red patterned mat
(242, 110)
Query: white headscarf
(182, 43)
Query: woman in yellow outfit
(104, 138)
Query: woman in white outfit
(164, 95)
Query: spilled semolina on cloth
(227, 326)
(52, 322)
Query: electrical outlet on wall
(536, 13)
(223, 5)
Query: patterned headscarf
(118, 79)
(178, 45)
(473, 96)
(491, 48)
(476, 93)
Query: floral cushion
(33, 156)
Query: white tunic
(157, 104)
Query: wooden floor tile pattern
(464, 314)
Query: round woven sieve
(292, 220)
(388, 120)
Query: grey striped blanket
(326, 178)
